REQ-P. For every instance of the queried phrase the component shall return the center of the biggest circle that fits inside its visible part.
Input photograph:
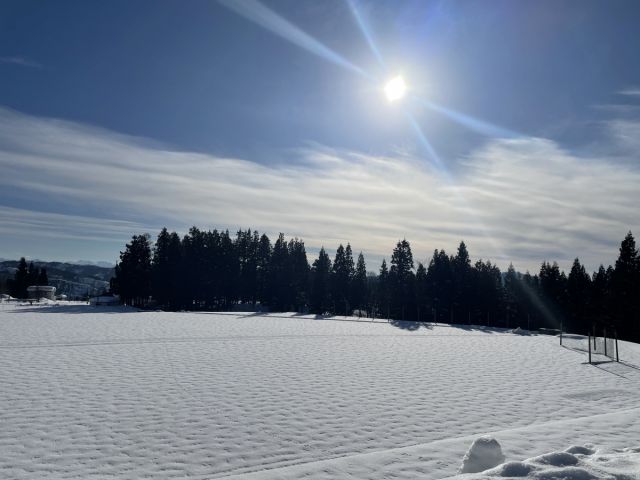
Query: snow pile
(520, 331)
(575, 463)
(484, 453)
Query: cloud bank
(523, 200)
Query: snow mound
(569, 473)
(579, 450)
(556, 459)
(511, 469)
(484, 453)
(616, 464)
(520, 331)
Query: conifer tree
(401, 280)
(384, 290)
(18, 288)
(299, 274)
(263, 260)
(320, 284)
(462, 288)
(553, 293)
(341, 277)
(578, 296)
(161, 270)
(625, 283)
(600, 296)
(133, 272)
(43, 279)
(359, 284)
(440, 285)
(422, 292)
(32, 274)
(279, 283)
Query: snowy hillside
(93, 393)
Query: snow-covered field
(91, 393)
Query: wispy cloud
(20, 61)
(631, 91)
(525, 199)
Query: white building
(41, 291)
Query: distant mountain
(71, 279)
(90, 262)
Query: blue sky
(119, 117)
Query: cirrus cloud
(523, 200)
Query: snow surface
(104, 392)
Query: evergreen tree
(246, 246)
(279, 284)
(401, 280)
(625, 283)
(161, 275)
(343, 271)
(601, 296)
(487, 281)
(462, 288)
(43, 278)
(32, 275)
(553, 293)
(422, 292)
(440, 285)
(359, 285)
(299, 274)
(263, 260)
(320, 284)
(228, 268)
(133, 272)
(166, 273)
(512, 297)
(384, 290)
(18, 288)
(578, 296)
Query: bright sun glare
(395, 89)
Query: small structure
(36, 292)
(105, 300)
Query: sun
(395, 89)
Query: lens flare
(395, 89)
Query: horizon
(517, 134)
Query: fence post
(560, 332)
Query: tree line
(216, 270)
(26, 276)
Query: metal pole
(605, 341)
(589, 347)
(615, 332)
(561, 332)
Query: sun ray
(365, 31)
(477, 125)
(258, 13)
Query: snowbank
(575, 463)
